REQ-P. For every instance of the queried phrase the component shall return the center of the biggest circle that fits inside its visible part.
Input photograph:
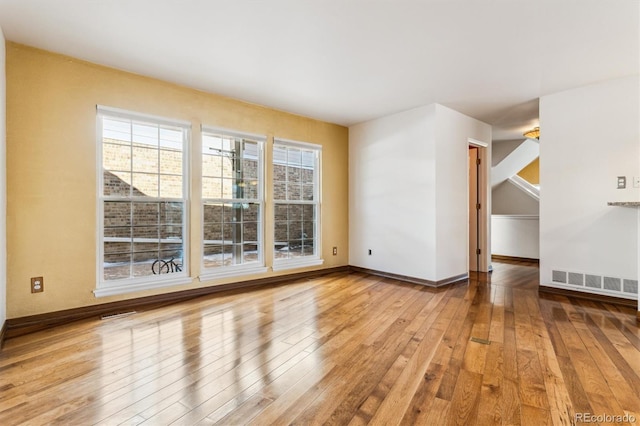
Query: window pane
(117, 214)
(142, 233)
(213, 255)
(146, 214)
(249, 253)
(281, 233)
(279, 190)
(308, 248)
(294, 191)
(116, 157)
(145, 134)
(140, 159)
(231, 171)
(117, 184)
(250, 232)
(116, 268)
(308, 176)
(308, 212)
(211, 165)
(211, 187)
(171, 213)
(170, 186)
(251, 212)
(170, 232)
(293, 174)
(227, 189)
(294, 157)
(279, 172)
(171, 162)
(145, 184)
(213, 213)
(296, 212)
(295, 221)
(116, 130)
(307, 192)
(250, 168)
(145, 160)
(280, 212)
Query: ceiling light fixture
(533, 133)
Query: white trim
(476, 142)
(524, 185)
(133, 115)
(232, 271)
(297, 144)
(281, 264)
(222, 131)
(209, 273)
(130, 286)
(515, 216)
(284, 264)
(127, 285)
(591, 290)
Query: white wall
(392, 194)
(3, 186)
(589, 136)
(515, 235)
(453, 131)
(408, 197)
(508, 199)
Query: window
(232, 203)
(296, 195)
(142, 202)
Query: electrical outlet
(335, 251)
(622, 182)
(37, 285)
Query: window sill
(281, 265)
(231, 272)
(130, 287)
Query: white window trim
(316, 259)
(129, 285)
(284, 264)
(213, 273)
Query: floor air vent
(117, 315)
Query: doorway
(474, 209)
(479, 216)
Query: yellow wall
(531, 173)
(51, 171)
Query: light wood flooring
(338, 349)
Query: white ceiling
(347, 61)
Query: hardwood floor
(338, 349)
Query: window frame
(212, 273)
(133, 284)
(303, 261)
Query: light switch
(636, 181)
(622, 182)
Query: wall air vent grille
(593, 281)
(576, 279)
(624, 287)
(631, 286)
(611, 283)
(559, 276)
